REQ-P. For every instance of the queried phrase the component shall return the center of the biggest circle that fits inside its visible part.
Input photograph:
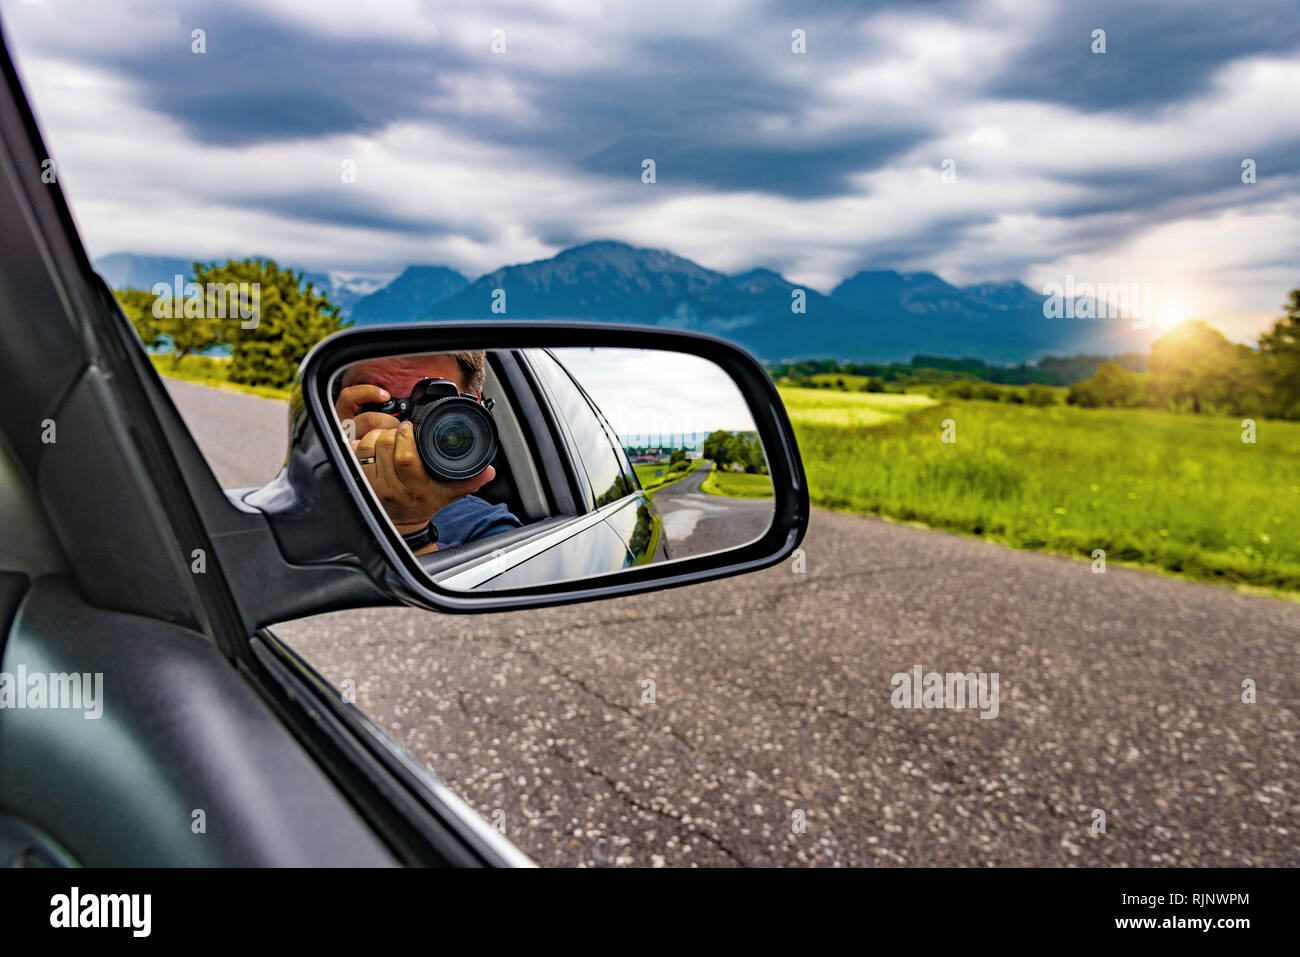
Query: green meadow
(650, 482)
(737, 484)
(848, 409)
(1179, 492)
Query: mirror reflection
(514, 468)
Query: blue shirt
(470, 518)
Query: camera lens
(456, 439)
(453, 436)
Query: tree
(1194, 366)
(715, 447)
(290, 320)
(744, 450)
(1113, 385)
(1040, 395)
(678, 455)
(1279, 353)
(187, 322)
(137, 306)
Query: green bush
(1112, 387)
(1040, 396)
(291, 320)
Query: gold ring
(369, 461)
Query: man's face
(399, 374)
(386, 448)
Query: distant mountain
(998, 321)
(409, 296)
(135, 271)
(824, 326)
(1010, 295)
(603, 280)
(921, 293)
(615, 282)
(344, 289)
(873, 316)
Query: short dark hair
(471, 366)
(473, 370)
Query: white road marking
(679, 524)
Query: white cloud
(1042, 189)
(648, 391)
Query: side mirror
(501, 465)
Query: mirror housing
(319, 506)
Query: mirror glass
(516, 468)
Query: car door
(615, 527)
(611, 479)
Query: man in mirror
(429, 513)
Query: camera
(454, 433)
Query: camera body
(455, 434)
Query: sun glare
(1171, 314)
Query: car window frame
(620, 454)
(592, 494)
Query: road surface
(696, 522)
(1120, 695)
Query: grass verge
(209, 371)
(1181, 493)
(650, 483)
(737, 484)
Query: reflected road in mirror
(696, 523)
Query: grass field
(737, 484)
(848, 409)
(1179, 492)
(646, 475)
(210, 371)
(841, 380)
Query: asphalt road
(1120, 693)
(697, 523)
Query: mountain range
(874, 315)
(135, 271)
(409, 295)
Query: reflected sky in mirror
(650, 393)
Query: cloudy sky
(648, 392)
(1122, 166)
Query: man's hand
(349, 404)
(407, 492)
